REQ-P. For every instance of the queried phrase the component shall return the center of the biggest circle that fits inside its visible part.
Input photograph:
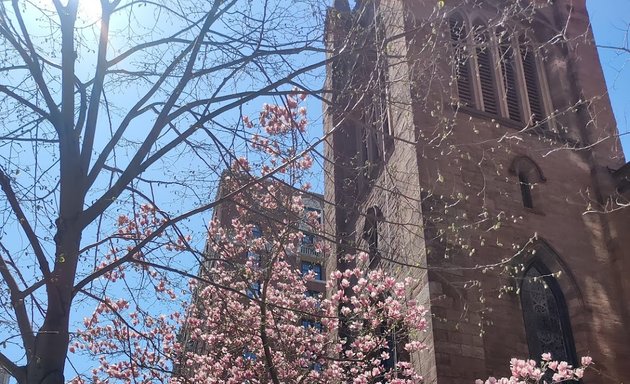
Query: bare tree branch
(5, 184)
(17, 301)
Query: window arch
(528, 174)
(545, 314)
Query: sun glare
(89, 11)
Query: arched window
(547, 325)
(528, 174)
(462, 67)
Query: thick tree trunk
(47, 360)
(49, 357)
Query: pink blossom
(248, 286)
(528, 372)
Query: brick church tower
(472, 146)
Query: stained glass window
(545, 314)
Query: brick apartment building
(472, 146)
(270, 224)
(267, 223)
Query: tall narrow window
(528, 174)
(381, 115)
(369, 147)
(463, 72)
(370, 234)
(396, 340)
(526, 190)
(545, 314)
(508, 72)
(532, 85)
(485, 66)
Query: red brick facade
(451, 181)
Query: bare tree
(107, 106)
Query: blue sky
(609, 19)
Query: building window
(528, 174)
(308, 239)
(545, 314)
(526, 190)
(509, 73)
(370, 156)
(254, 290)
(254, 258)
(318, 213)
(314, 294)
(249, 355)
(252, 255)
(371, 236)
(462, 60)
(395, 350)
(498, 72)
(486, 69)
(316, 268)
(307, 247)
(532, 85)
(317, 296)
(307, 323)
(374, 119)
(256, 232)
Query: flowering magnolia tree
(250, 319)
(266, 338)
(549, 371)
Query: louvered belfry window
(498, 73)
(458, 40)
(532, 85)
(509, 74)
(485, 66)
